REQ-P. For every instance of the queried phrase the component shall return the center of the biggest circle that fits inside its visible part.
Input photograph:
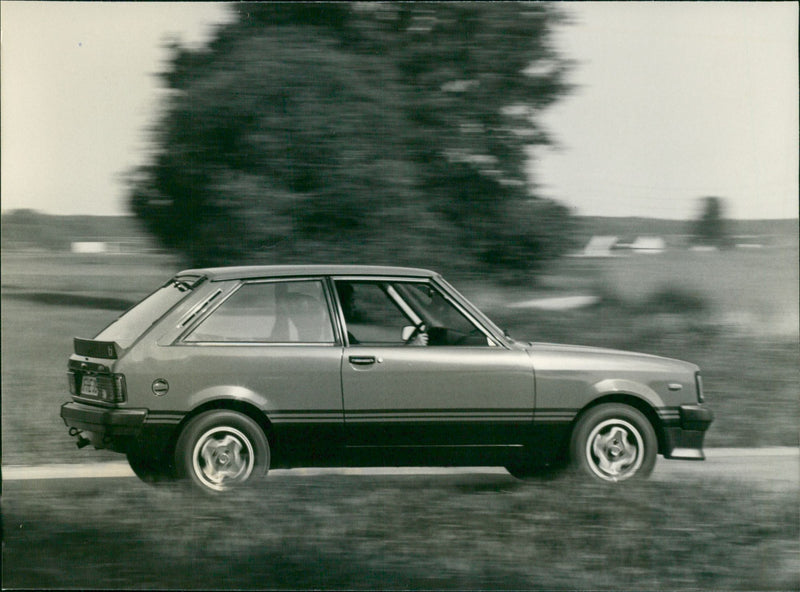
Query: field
(733, 313)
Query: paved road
(776, 467)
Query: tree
(391, 133)
(709, 228)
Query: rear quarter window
(269, 312)
(136, 320)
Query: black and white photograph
(400, 295)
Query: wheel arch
(243, 407)
(632, 401)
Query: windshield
(130, 326)
(474, 310)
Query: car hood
(608, 356)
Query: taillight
(71, 381)
(698, 382)
(120, 388)
(109, 388)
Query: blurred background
(616, 174)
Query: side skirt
(404, 456)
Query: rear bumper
(685, 441)
(119, 422)
(122, 429)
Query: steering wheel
(417, 330)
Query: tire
(220, 450)
(614, 442)
(151, 468)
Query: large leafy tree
(384, 133)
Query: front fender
(628, 387)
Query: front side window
(404, 313)
(270, 312)
(439, 312)
(371, 314)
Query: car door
(406, 384)
(270, 343)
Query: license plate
(89, 386)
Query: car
(223, 373)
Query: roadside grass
(399, 532)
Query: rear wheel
(219, 450)
(614, 442)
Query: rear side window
(130, 326)
(270, 312)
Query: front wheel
(614, 442)
(219, 450)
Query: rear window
(128, 327)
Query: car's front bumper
(685, 441)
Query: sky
(675, 101)
(672, 102)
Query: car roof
(268, 271)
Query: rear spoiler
(95, 349)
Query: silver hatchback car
(222, 373)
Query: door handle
(362, 360)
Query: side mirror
(407, 332)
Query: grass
(444, 532)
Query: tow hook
(81, 441)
